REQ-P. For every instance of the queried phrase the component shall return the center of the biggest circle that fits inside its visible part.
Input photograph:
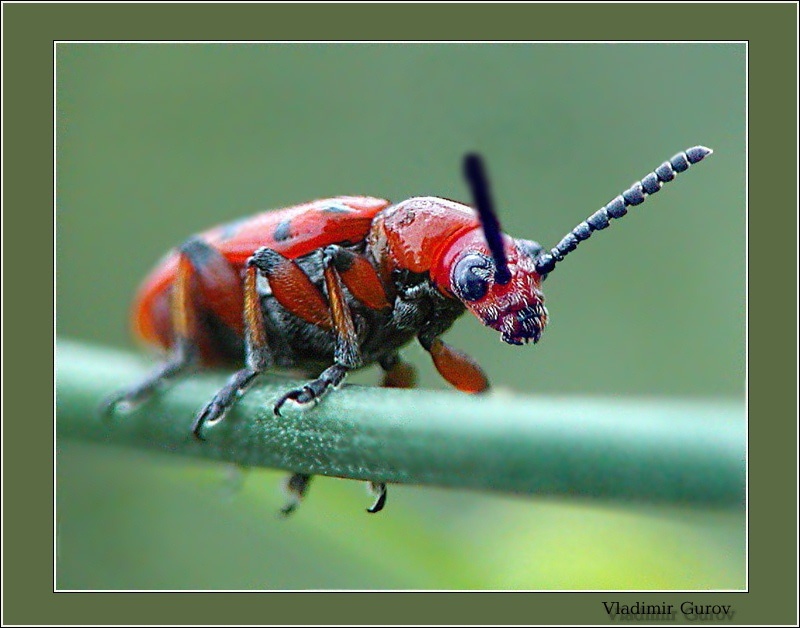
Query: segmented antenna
(618, 207)
(475, 173)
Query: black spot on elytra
(199, 252)
(232, 228)
(336, 209)
(283, 231)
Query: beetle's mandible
(340, 283)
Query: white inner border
(388, 42)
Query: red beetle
(337, 284)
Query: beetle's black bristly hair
(475, 173)
(618, 207)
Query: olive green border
(29, 31)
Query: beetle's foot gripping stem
(311, 393)
(295, 488)
(378, 491)
(128, 398)
(216, 409)
(122, 400)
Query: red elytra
(300, 229)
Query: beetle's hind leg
(258, 358)
(185, 352)
(182, 359)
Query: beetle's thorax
(431, 235)
(412, 234)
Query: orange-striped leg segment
(347, 355)
(258, 353)
(184, 353)
(292, 288)
(457, 367)
(359, 276)
(258, 357)
(347, 352)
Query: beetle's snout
(515, 309)
(520, 315)
(521, 325)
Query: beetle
(341, 283)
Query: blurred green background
(158, 141)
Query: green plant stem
(635, 450)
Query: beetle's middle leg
(347, 353)
(295, 291)
(340, 267)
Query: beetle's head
(499, 279)
(493, 275)
(510, 301)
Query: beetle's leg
(347, 355)
(295, 488)
(359, 277)
(218, 283)
(311, 393)
(292, 288)
(181, 359)
(185, 351)
(258, 357)
(398, 372)
(455, 366)
(378, 491)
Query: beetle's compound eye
(471, 276)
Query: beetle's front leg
(455, 366)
